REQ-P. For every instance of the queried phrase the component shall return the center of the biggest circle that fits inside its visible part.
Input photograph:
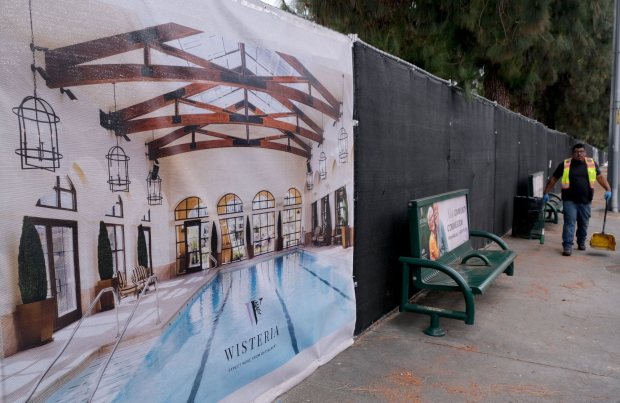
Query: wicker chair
(123, 288)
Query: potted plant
(214, 244)
(36, 315)
(143, 254)
(248, 239)
(106, 268)
(279, 239)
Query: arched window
(233, 241)
(291, 218)
(263, 200)
(192, 235)
(63, 196)
(192, 207)
(229, 204)
(263, 222)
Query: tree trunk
(495, 89)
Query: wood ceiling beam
(115, 73)
(160, 101)
(160, 122)
(301, 69)
(60, 58)
(228, 143)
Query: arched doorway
(233, 245)
(263, 222)
(192, 235)
(291, 218)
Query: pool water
(245, 324)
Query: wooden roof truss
(66, 67)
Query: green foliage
(104, 254)
(143, 254)
(214, 239)
(31, 265)
(547, 59)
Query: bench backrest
(439, 226)
(536, 184)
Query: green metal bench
(459, 267)
(553, 208)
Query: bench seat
(477, 274)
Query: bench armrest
(479, 256)
(488, 235)
(468, 316)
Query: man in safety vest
(578, 175)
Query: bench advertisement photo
(443, 258)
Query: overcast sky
(275, 3)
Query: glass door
(59, 242)
(193, 246)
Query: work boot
(567, 251)
(581, 246)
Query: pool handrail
(214, 260)
(75, 329)
(151, 280)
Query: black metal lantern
(343, 145)
(153, 187)
(118, 169)
(322, 166)
(309, 176)
(38, 131)
(38, 134)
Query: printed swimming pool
(249, 330)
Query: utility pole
(614, 115)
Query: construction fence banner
(211, 139)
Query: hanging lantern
(118, 169)
(38, 134)
(309, 176)
(343, 145)
(38, 131)
(322, 166)
(153, 187)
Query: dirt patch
(530, 390)
(613, 269)
(463, 347)
(576, 286)
(538, 291)
(398, 386)
(472, 392)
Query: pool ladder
(119, 334)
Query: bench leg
(434, 329)
(510, 270)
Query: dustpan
(601, 240)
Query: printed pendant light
(118, 169)
(118, 164)
(343, 145)
(38, 130)
(309, 176)
(322, 166)
(153, 186)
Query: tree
(31, 265)
(104, 254)
(143, 254)
(547, 59)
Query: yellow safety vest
(591, 173)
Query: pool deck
(550, 333)
(20, 372)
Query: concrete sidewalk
(550, 333)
